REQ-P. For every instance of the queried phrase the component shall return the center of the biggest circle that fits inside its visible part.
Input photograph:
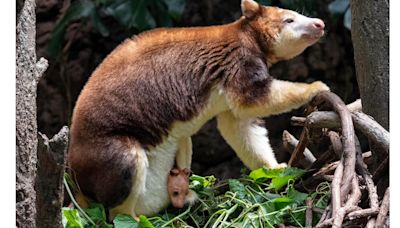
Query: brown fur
(155, 79)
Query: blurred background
(75, 36)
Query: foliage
(254, 200)
(133, 17)
(342, 7)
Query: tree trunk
(370, 35)
(49, 183)
(27, 75)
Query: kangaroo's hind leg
(141, 164)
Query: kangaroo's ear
(250, 8)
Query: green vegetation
(263, 198)
(133, 17)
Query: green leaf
(279, 182)
(238, 188)
(144, 222)
(265, 2)
(98, 24)
(77, 10)
(297, 196)
(338, 6)
(97, 213)
(265, 173)
(199, 182)
(175, 8)
(347, 19)
(285, 176)
(280, 177)
(125, 221)
(71, 218)
(282, 202)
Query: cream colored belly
(154, 196)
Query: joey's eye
(289, 20)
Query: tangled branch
(351, 178)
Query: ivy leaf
(77, 10)
(280, 177)
(297, 196)
(338, 6)
(264, 173)
(347, 19)
(175, 8)
(282, 202)
(125, 221)
(199, 182)
(97, 213)
(265, 2)
(238, 188)
(285, 176)
(144, 222)
(71, 218)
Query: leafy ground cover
(263, 198)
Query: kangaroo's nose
(318, 24)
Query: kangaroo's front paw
(280, 166)
(319, 86)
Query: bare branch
(362, 122)
(336, 182)
(309, 203)
(299, 150)
(290, 143)
(349, 150)
(383, 211)
(41, 67)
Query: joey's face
(286, 33)
(178, 187)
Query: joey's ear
(187, 171)
(250, 8)
(174, 172)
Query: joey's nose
(318, 24)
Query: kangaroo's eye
(289, 20)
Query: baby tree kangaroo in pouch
(139, 108)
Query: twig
(327, 168)
(350, 204)
(362, 213)
(371, 223)
(380, 219)
(290, 143)
(336, 182)
(361, 168)
(299, 150)
(362, 122)
(331, 119)
(381, 169)
(336, 143)
(374, 131)
(309, 203)
(325, 214)
(325, 157)
(318, 210)
(41, 67)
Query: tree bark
(370, 35)
(28, 71)
(49, 182)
